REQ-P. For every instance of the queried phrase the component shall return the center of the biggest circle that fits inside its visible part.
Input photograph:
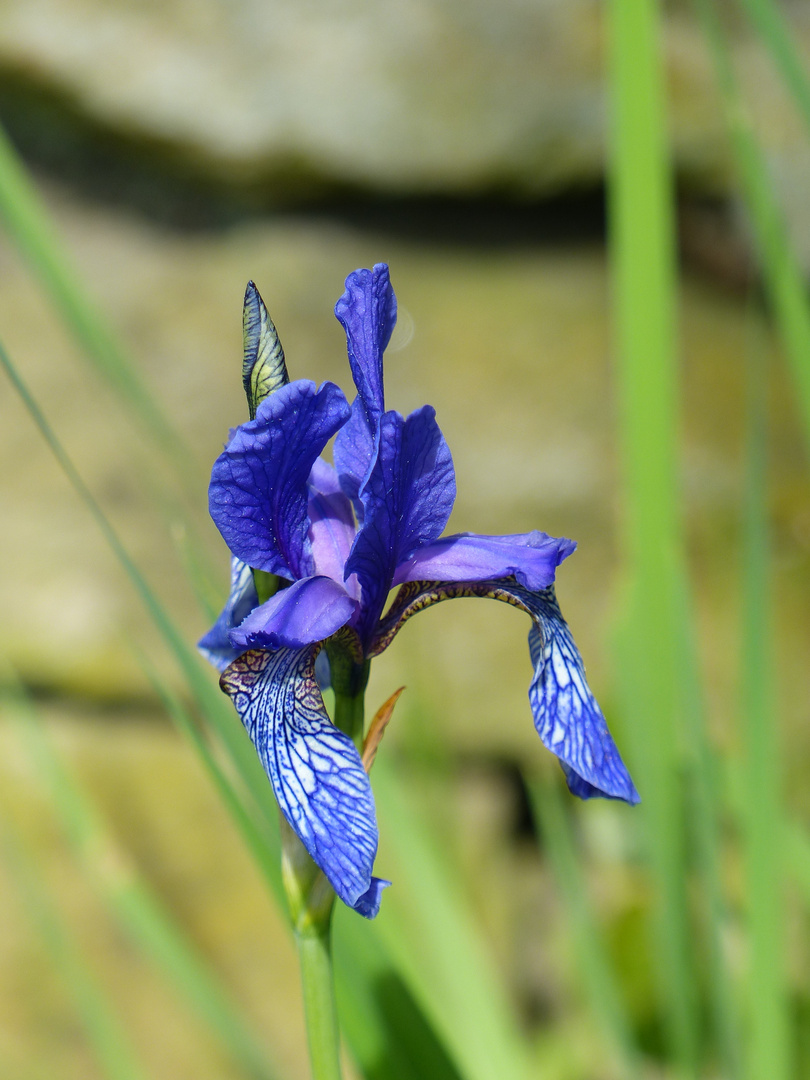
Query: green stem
(323, 1035)
(350, 715)
(312, 899)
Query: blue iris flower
(338, 539)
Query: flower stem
(323, 1035)
(311, 899)
(349, 715)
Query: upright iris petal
(408, 498)
(258, 492)
(331, 526)
(368, 312)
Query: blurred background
(597, 223)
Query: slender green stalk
(705, 822)
(771, 22)
(593, 965)
(349, 715)
(768, 1052)
(782, 276)
(323, 1037)
(644, 281)
(311, 901)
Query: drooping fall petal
(315, 770)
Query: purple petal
(216, 646)
(566, 714)
(323, 478)
(408, 498)
(316, 771)
(331, 526)
(367, 311)
(531, 558)
(369, 903)
(355, 451)
(311, 610)
(258, 493)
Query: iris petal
(531, 558)
(355, 452)
(315, 769)
(566, 714)
(216, 646)
(367, 311)
(258, 493)
(331, 526)
(311, 610)
(408, 498)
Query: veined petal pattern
(315, 770)
(258, 492)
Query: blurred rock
(285, 100)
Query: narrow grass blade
(774, 29)
(27, 220)
(130, 900)
(644, 293)
(796, 846)
(390, 1036)
(105, 1032)
(782, 275)
(431, 935)
(706, 831)
(593, 962)
(768, 1053)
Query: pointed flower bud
(263, 366)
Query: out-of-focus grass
(641, 209)
(769, 1049)
(782, 276)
